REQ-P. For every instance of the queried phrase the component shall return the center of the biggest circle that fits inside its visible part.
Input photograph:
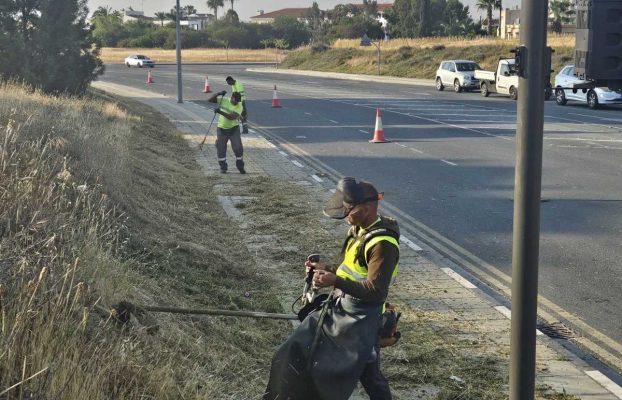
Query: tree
(189, 10)
(315, 19)
(162, 16)
(457, 19)
(54, 35)
(214, 4)
(107, 30)
(562, 14)
(231, 4)
(499, 6)
(232, 17)
(291, 30)
(487, 5)
(424, 18)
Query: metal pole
(528, 183)
(180, 98)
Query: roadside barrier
(276, 103)
(207, 88)
(379, 132)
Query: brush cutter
(213, 119)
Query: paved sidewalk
(351, 77)
(469, 319)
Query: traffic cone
(149, 77)
(207, 88)
(276, 103)
(378, 132)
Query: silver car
(457, 73)
(139, 60)
(595, 97)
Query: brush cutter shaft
(231, 313)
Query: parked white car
(138, 60)
(457, 73)
(564, 82)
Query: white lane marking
(409, 243)
(252, 131)
(456, 277)
(401, 145)
(449, 162)
(603, 118)
(508, 314)
(416, 150)
(284, 154)
(317, 178)
(308, 113)
(585, 139)
(271, 144)
(333, 121)
(296, 163)
(605, 382)
(301, 137)
(362, 131)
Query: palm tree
(162, 16)
(102, 11)
(231, 4)
(214, 4)
(499, 6)
(562, 14)
(487, 5)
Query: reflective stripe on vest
(350, 268)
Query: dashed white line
(308, 113)
(508, 314)
(362, 131)
(410, 243)
(401, 145)
(449, 162)
(284, 154)
(333, 121)
(605, 382)
(296, 163)
(456, 277)
(416, 150)
(301, 137)
(271, 145)
(317, 178)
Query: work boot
(240, 165)
(223, 167)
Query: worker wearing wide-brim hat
(335, 347)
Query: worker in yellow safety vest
(228, 129)
(343, 342)
(236, 86)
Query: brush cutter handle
(230, 313)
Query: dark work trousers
(375, 384)
(225, 135)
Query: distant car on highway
(138, 60)
(457, 73)
(566, 79)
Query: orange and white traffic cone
(207, 88)
(378, 132)
(149, 77)
(276, 103)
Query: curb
(351, 77)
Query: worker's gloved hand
(222, 93)
(315, 265)
(322, 279)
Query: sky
(246, 8)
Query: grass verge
(419, 59)
(101, 202)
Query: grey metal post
(528, 183)
(180, 98)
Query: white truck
(504, 80)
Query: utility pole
(527, 191)
(180, 98)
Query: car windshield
(467, 67)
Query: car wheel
(592, 100)
(439, 85)
(548, 92)
(140, 65)
(457, 87)
(484, 90)
(560, 97)
(513, 93)
(128, 64)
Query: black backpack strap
(360, 255)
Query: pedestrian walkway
(453, 309)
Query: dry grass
(113, 55)
(99, 205)
(457, 41)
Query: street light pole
(378, 50)
(527, 191)
(366, 41)
(178, 52)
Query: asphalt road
(450, 165)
